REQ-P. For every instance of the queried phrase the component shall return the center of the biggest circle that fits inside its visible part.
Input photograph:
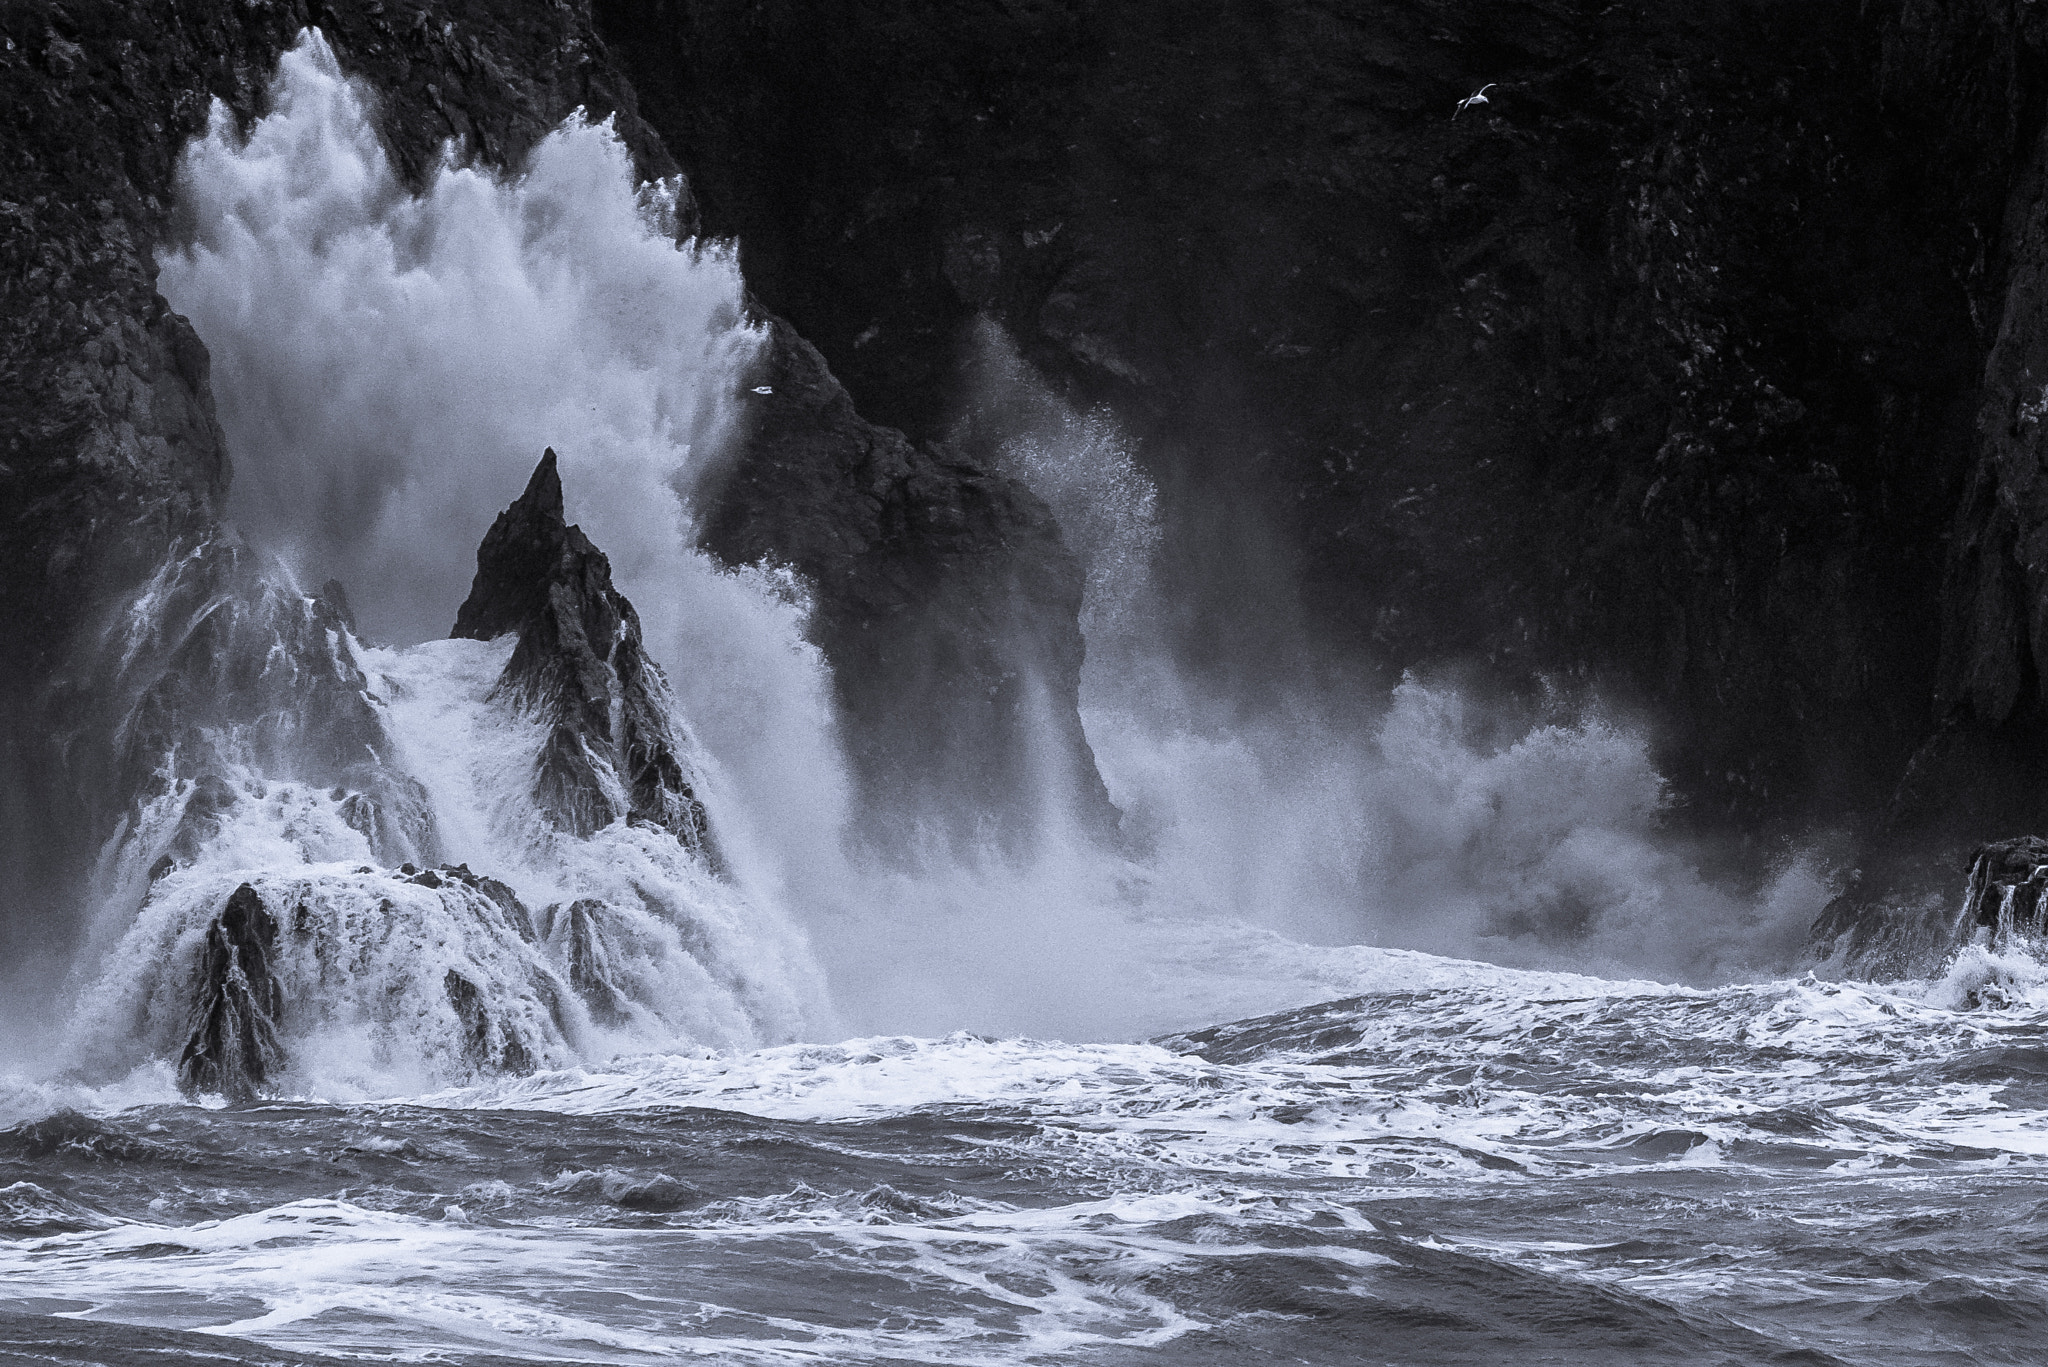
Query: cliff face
(1701, 366)
(1982, 70)
(1653, 373)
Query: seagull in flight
(1476, 97)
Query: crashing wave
(270, 941)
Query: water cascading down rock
(2007, 894)
(234, 1046)
(270, 918)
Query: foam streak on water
(1539, 1165)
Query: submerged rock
(222, 671)
(234, 1047)
(2008, 889)
(581, 667)
(432, 970)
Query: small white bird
(1476, 97)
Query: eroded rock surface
(234, 1048)
(580, 666)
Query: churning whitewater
(467, 998)
(1466, 1165)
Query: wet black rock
(483, 1048)
(515, 913)
(2008, 888)
(945, 600)
(227, 1013)
(575, 930)
(234, 1047)
(580, 666)
(1902, 918)
(220, 669)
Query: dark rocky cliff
(946, 603)
(1654, 375)
(1700, 368)
(1981, 70)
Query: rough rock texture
(1653, 374)
(234, 1047)
(439, 962)
(222, 669)
(576, 931)
(611, 750)
(1877, 929)
(2008, 889)
(944, 598)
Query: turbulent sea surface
(1497, 1166)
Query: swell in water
(621, 1138)
(1467, 1165)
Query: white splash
(1415, 819)
(388, 365)
(395, 981)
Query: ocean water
(1495, 1166)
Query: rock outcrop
(581, 669)
(234, 1048)
(1887, 925)
(437, 965)
(2007, 893)
(946, 602)
(221, 668)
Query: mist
(1418, 819)
(389, 366)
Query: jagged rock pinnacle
(518, 558)
(581, 666)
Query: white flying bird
(1476, 97)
